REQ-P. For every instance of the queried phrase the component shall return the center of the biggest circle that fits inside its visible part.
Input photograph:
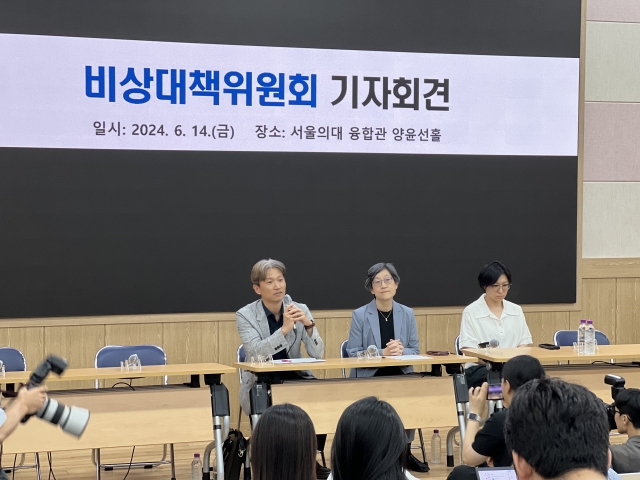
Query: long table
(122, 417)
(563, 354)
(421, 400)
(610, 359)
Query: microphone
(493, 343)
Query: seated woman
(388, 325)
(491, 317)
(283, 445)
(369, 443)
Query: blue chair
(456, 346)
(566, 338)
(241, 357)
(112, 356)
(14, 361)
(344, 354)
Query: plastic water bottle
(196, 467)
(590, 339)
(581, 330)
(436, 447)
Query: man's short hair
(491, 272)
(628, 403)
(557, 427)
(376, 269)
(260, 269)
(522, 369)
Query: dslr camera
(72, 420)
(617, 385)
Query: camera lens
(72, 420)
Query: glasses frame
(387, 281)
(497, 288)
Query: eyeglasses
(387, 281)
(504, 286)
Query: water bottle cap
(436, 431)
(583, 321)
(589, 322)
(196, 455)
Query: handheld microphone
(493, 343)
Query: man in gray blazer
(276, 325)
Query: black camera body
(617, 385)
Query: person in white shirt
(492, 317)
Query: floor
(78, 466)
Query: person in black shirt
(487, 444)
(388, 325)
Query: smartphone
(494, 380)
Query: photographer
(26, 402)
(486, 443)
(625, 458)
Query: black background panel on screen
(152, 151)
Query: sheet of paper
(299, 360)
(409, 357)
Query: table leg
(260, 400)
(217, 431)
(98, 472)
(38, 469)
(221, 412)
(172, 457)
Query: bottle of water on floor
(196, 467)
(581, 329)
(436, 447)
(590, 339)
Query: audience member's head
(283, 445)
(518, 371)
(627, 407)
(555, 428)
(370, 443)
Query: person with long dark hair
(283, 445)
(370, 443)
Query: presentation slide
(152, 151)
(127, 94)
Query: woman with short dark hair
(283, 445)
(391, 327)
(492, 317)
(369, 443)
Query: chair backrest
(241, 356)
(13, 359)
(456, 345)
(566, 338)
(344, 354)
(343, 349)
(601, 338)
(112, 355)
